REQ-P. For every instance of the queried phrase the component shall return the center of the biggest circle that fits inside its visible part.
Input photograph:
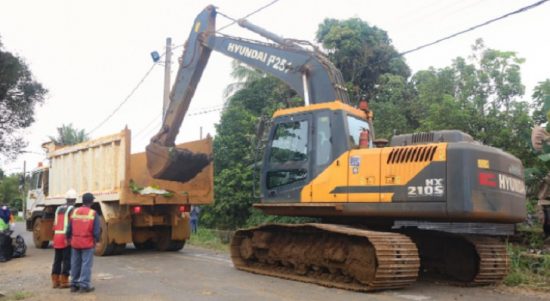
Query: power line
(521, 10)
(156, 122)
(125, 99)
(154, 64)
(250, 14)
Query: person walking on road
(61, 267)
(194, 215)
(83, 232)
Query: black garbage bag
(6, 247)
(19, 247)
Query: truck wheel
(103, 247)
(176, 245)
(163, 240)
(119, 249)
(39, 242)
(147, 245)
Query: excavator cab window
(355, 127)
(288, 158)
(323, 141)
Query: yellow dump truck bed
(105, 167)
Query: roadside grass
(529, 261)
(20, 295)
(211, 239)
(527, 269)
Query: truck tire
(163, 240)
(39, 242)
(147, 245)
(104, 247)
(176, 245)
(119, 249)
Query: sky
(90, 55)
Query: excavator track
(326, 254)
(493, 260)
(464, 259)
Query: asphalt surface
(199, 274)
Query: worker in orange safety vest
(61, 267)
(83, 232)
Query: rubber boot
(64, 281)
(55, 281)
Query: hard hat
(71, 194)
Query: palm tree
(243, 74)
(68, 135)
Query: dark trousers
(6, 248)
(62, 261)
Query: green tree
(19, 94)
(536, 170)
(391, 104)
(362, 52)
(481, 96)
(243, 74)
(68, 135)
(234, 149)
(541, 103)
(9, 192)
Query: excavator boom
(307, 71)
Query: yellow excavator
(434, 202)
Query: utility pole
(167, 65)
(24, 201)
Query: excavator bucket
(178, 163)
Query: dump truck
(434, 201)
(133, 207)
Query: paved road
(198, 274)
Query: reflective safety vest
(60, 225)
(82, 224)
(3, 225)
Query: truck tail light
(136, 209)
(184, 208)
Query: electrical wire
(250, 14)
(125, 99)
(521, 10)
(156, 120)
(154, 64)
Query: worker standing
(5, 215)
(5, 239)
(61, 267)
(194, 218)
(83, 232)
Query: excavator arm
(307, 71)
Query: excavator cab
(303, 142)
